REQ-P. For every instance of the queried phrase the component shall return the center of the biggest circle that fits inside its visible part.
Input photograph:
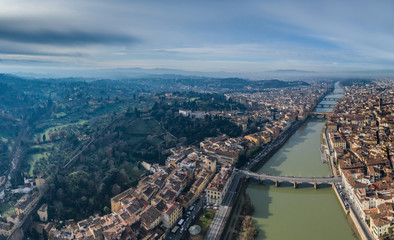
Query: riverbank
(235, 220)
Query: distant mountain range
(159, 83)
(122, 73)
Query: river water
(302, 213)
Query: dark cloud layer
(61, 37)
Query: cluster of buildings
(24, 206)
(278, 104)
(272, 111)
(152, 208)
(361, 135)
(158, 202)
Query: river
(302, 213)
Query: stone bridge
(325, 105)
(323, 114)
(294, 180)
(331, 99)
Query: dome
(195, 230)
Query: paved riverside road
(217, 223)
(357, 213)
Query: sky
(207, 36)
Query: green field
(145, 127)
(33, 158)
(6, 209)
(57, 128)
(205, 221)
(59, 115)
(140, 129)
(7, 141)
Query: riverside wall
(357, 224)
(340, 199)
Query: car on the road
(181, 222)
(175, 229)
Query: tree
(44, 138)
(44, 234)
(53, 136)
(135, 172)
(208, 214)
(106, 210)
(248, 229)
(34, 233)
(247, 207)
(115, 189)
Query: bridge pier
(295, 184)
(276, 183)
(260, 181)
(315, 185)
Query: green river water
(303, 213)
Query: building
(150, 217)
(332, 127)
(43, 213)
(379, 226)
(191, 114)
(40, 180)
(195, 231)
(5, 229)
(26, 202)
(254, 138)
(226, 156)
(218, 187)
(200, 183)
(172, 214)
(210, 163)
(337, 141)
(116, 201)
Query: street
(357, 213)
(189, 219)
(219, 221)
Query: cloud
(60, 37)
(203, 35)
